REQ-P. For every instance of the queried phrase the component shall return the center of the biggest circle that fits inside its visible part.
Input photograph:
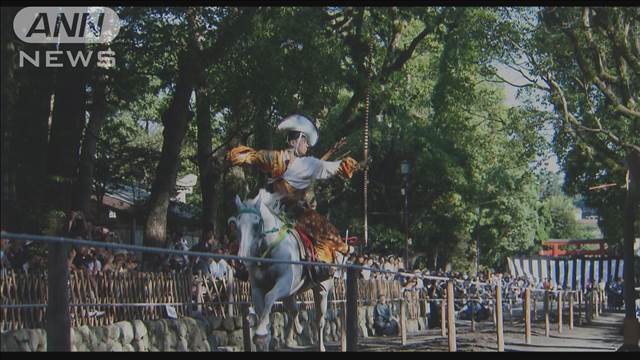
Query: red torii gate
(557, 247)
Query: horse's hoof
(322, 349)
(262, 342)
(292, 344)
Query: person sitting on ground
(385, 324)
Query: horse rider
(292, 174)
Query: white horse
(264, 234)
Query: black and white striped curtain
(567, 273)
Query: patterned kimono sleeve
(327, 169)
(266, 160)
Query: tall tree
(586, 62)
(206, 166)
(192, 59)
(98, 114)
(68, 122)
(25, 118)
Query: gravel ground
(603, 334)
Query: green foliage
(581, 64)
(475, 161)
(564, 224)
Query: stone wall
(190, 334)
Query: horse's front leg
(320, 297)
(280, 290)
(261, 341)
(294, 323)
(257, 295)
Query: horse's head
(249, 223)
(251, 218)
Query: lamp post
(405, 168)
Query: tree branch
(590, 74)
(570, 118)
(406, 54)
(531, 85)
(228, 35)
(586, 22)
(346, 117)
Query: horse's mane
(270, 200)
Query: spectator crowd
(31, 257)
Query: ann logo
(66, 25)
(73, 28)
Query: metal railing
(59, 279)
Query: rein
(282, 231)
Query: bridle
(282, 230)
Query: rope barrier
(138, 248)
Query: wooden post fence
(588, 307)
(571, 295)
(499, 323)
(352, 309)
(58, 316)
(560, 312)
(451, 317)
(246, 328)
(493, 313)
(473, 314)
(343, 330)
(546, 313)
(527, 315)
(511, 310)
(443, 318)
(403, 321)
(580, 308)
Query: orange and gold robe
(276, 163)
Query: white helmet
(297, 122)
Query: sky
(513, 100)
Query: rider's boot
(322, 273)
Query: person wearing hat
(292, 174)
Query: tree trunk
(66, 132)
(88, 154)
(8, 83)
(27, 127)
(263, 137)
(175, 120)
(176, 117)
(206, 167)
(631, 327)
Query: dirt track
(603, 334)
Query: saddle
(314, 274)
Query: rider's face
(302, 147)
